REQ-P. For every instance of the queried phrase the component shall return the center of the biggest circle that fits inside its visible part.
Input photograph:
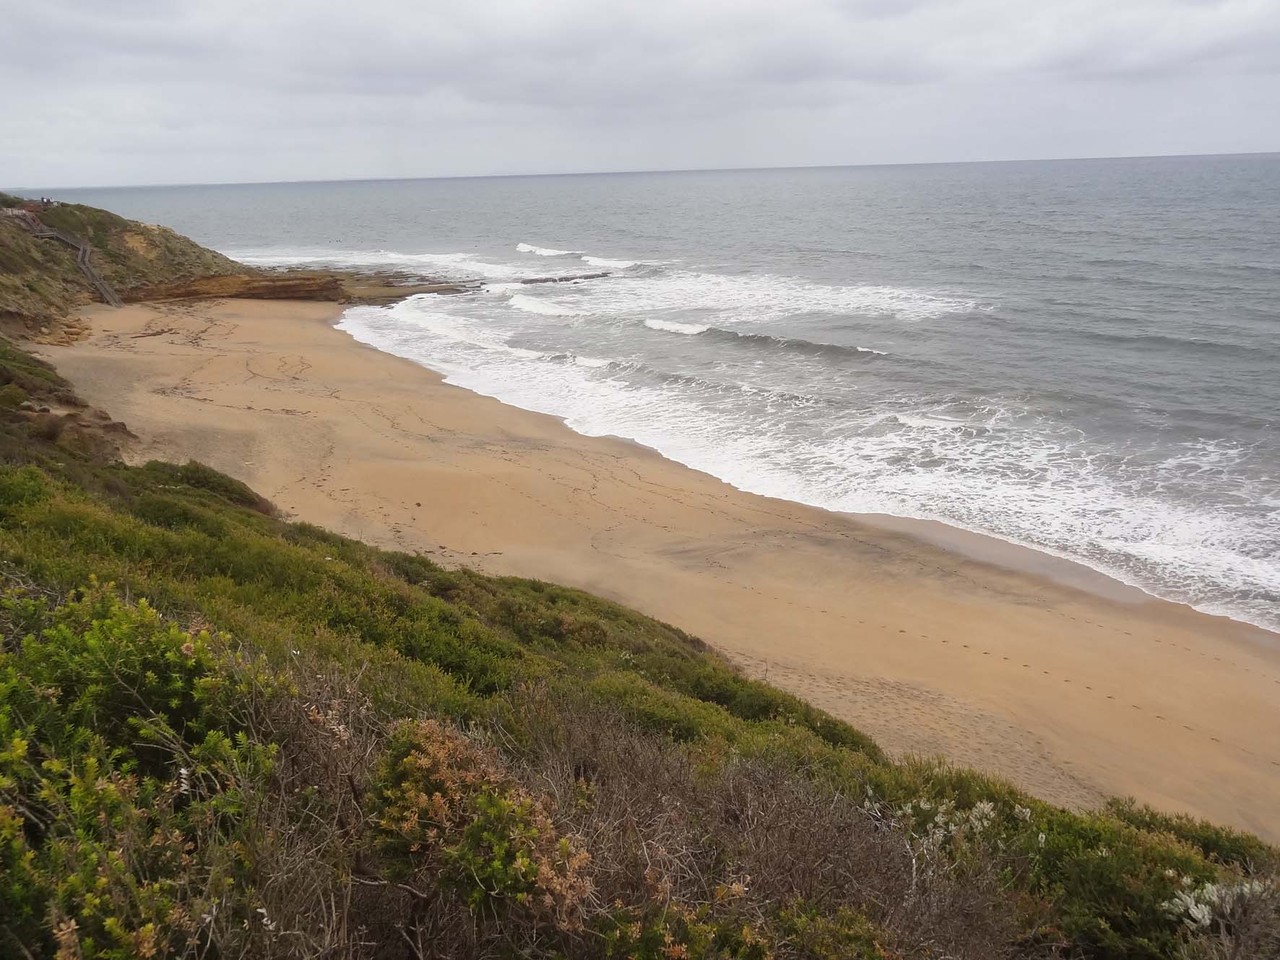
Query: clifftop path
(42, 282)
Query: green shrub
(119, 764)
(175, 513)
(672, 714)
(197, 476)
(21, 487)
(445, 813)
(675, 931)
(32, 374)
(839, 935)
(1221, 844)
(12, 396)
(102, 665)
(24, 887)
(1112, 883)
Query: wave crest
(764, 340)
(671, 326)
(546, 251)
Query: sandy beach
(932, 640)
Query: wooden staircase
(39, 228)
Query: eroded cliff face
(42, 287)
(41, 284)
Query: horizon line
(632, 172)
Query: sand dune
(932, 640)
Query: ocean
(1078, 356)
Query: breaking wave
(546, 251)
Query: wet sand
(933, 640)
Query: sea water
(1080, 356)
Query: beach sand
(932, 640)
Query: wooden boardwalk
(39, 228)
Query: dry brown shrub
(750, 833)
(1246, 927)
(307, 822)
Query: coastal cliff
(42, 285)
(41, 282)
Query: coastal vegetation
(40, 282)
(226, 734)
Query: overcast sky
(101, 92)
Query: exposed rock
(379, 290)
(41, 287)
(253, 286)
(338, 287)
(41, 283)
(568, 279)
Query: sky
(114, 92)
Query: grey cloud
(178, 90)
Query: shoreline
(976, 544)
(979, 546)
(931, 638)
(1067, 571)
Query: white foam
(546, 308)
(610, 264)
(746, 299)
(452, 266)
(994, 467)
(412, 318)
(760, 298)
(670, 326)
(545, 251)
